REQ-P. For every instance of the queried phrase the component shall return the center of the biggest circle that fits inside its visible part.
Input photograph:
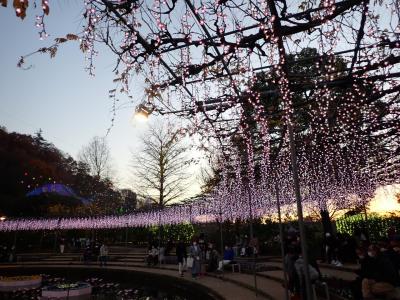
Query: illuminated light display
(243, 75)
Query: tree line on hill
(29, 161)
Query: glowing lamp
(142, 112)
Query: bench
(236, 265)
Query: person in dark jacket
(87, 255)
(213, 258)
(363, 260)
(381, 277)
(169, 247)
(332, 249)
(290, 258)
(394, 247)
(387, 250)
(196, 254)
(181, 255)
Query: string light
(241, 75)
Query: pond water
(111, 285)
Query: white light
(142, 113)
(141, 117)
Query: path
(229, 286)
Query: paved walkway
(230, 286)
(345, 273)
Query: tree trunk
(326, 221)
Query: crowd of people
(7, 253)
(198, 257)
(295, 267)
(96, 251)
(246, 246)
(92, 250)
(203, 254)
(156, 255)
(378, 274)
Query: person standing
(289, 262)
(181, 255)
(12, 256)
(300, 268)
(195, 253)
(154, 255)
(254, 246)
(87, 255)
(161, 255)
(243, 250)
(150, 256)
(168, 247)
(212, 258)
(364, 271)
(62, 245)
(332, 249)
(103, 255)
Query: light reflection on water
(101, 290)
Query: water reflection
(101, 290)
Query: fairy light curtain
(241, 73)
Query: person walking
(103, 255)
(181, 255)
(195, 254)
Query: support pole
(282, 245)
(41, 240)
(296, 183)
(126, 235)
(277, 27)
(159, 238)
(221, 234)
(15, 240)
(366, 222)
(221, 240)
(251, 238)
(251, 228)
(55, 241)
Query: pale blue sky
(57, 95)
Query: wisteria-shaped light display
(250, 77)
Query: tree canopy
(160, 167)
